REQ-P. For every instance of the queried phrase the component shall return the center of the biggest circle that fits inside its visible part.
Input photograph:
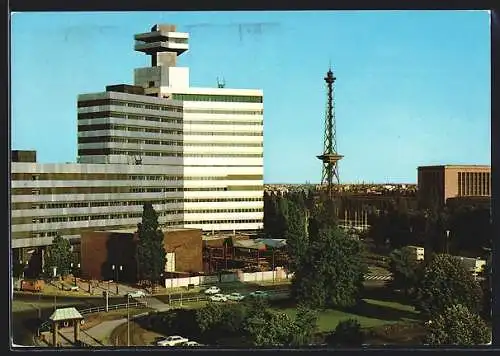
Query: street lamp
(447, 238)
(120, 268)
(74, 268)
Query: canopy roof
(65, 314)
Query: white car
(235, 297)
(136, 294)
(218, 298)
(212, 290)
(259, 294)
(192, 344)
(172, 341)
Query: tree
(331, 272)
(404, 267)
(58, 255)
(151, 255)
(347, 333)
(444, 282)
(306, 325)
(456, 325)
(296, 235)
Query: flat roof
(456, 166)
(134, 230)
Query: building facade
(437, 184)
(195, 153)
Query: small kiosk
(62, 318)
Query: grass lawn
(370, 313)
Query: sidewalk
(98, 335)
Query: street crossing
(378, 277)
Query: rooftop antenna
(221, 83)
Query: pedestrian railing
(45, 326)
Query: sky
(412, 88)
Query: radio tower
(330, 157)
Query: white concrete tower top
(163, 44)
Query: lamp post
(447, 238)
(128, 321)
(116, 274)
(74, 268)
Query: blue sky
(413, 87)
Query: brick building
(101, 250)
(436, 184)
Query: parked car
(235, 297)
(218, 298)
(259, 294)
(192, 344)
(212, 290)
(174, 340)
(136, 294)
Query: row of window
(169, 120)
(91, 204)
(220, 122)
(138, 105)
(100, 127)
(98, 139)
(208, 222)
(108, 126)
(225, 111)
(212, 189)
(474, 183)
(219, 98)
(126, 189)
(55, 219)
(167, 177)
(109, 151)
(121, 115)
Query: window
(151, 83)
(219, 98)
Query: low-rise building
(418, 252)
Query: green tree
(151, 255)
(306, 326)
(404, 268)
(347, 333)
(331, 272)
(444, 282)
(58, 255)
(296, 235)
(456, 325)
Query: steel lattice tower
(330, 157)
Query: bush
(347, 333)
(457, 326)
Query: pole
(273, 267)
(128, 322)
(107, 300)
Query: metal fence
(273, 294)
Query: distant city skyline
(412, 89)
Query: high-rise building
(195, 153)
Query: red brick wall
(187, 245)
(93, 253)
